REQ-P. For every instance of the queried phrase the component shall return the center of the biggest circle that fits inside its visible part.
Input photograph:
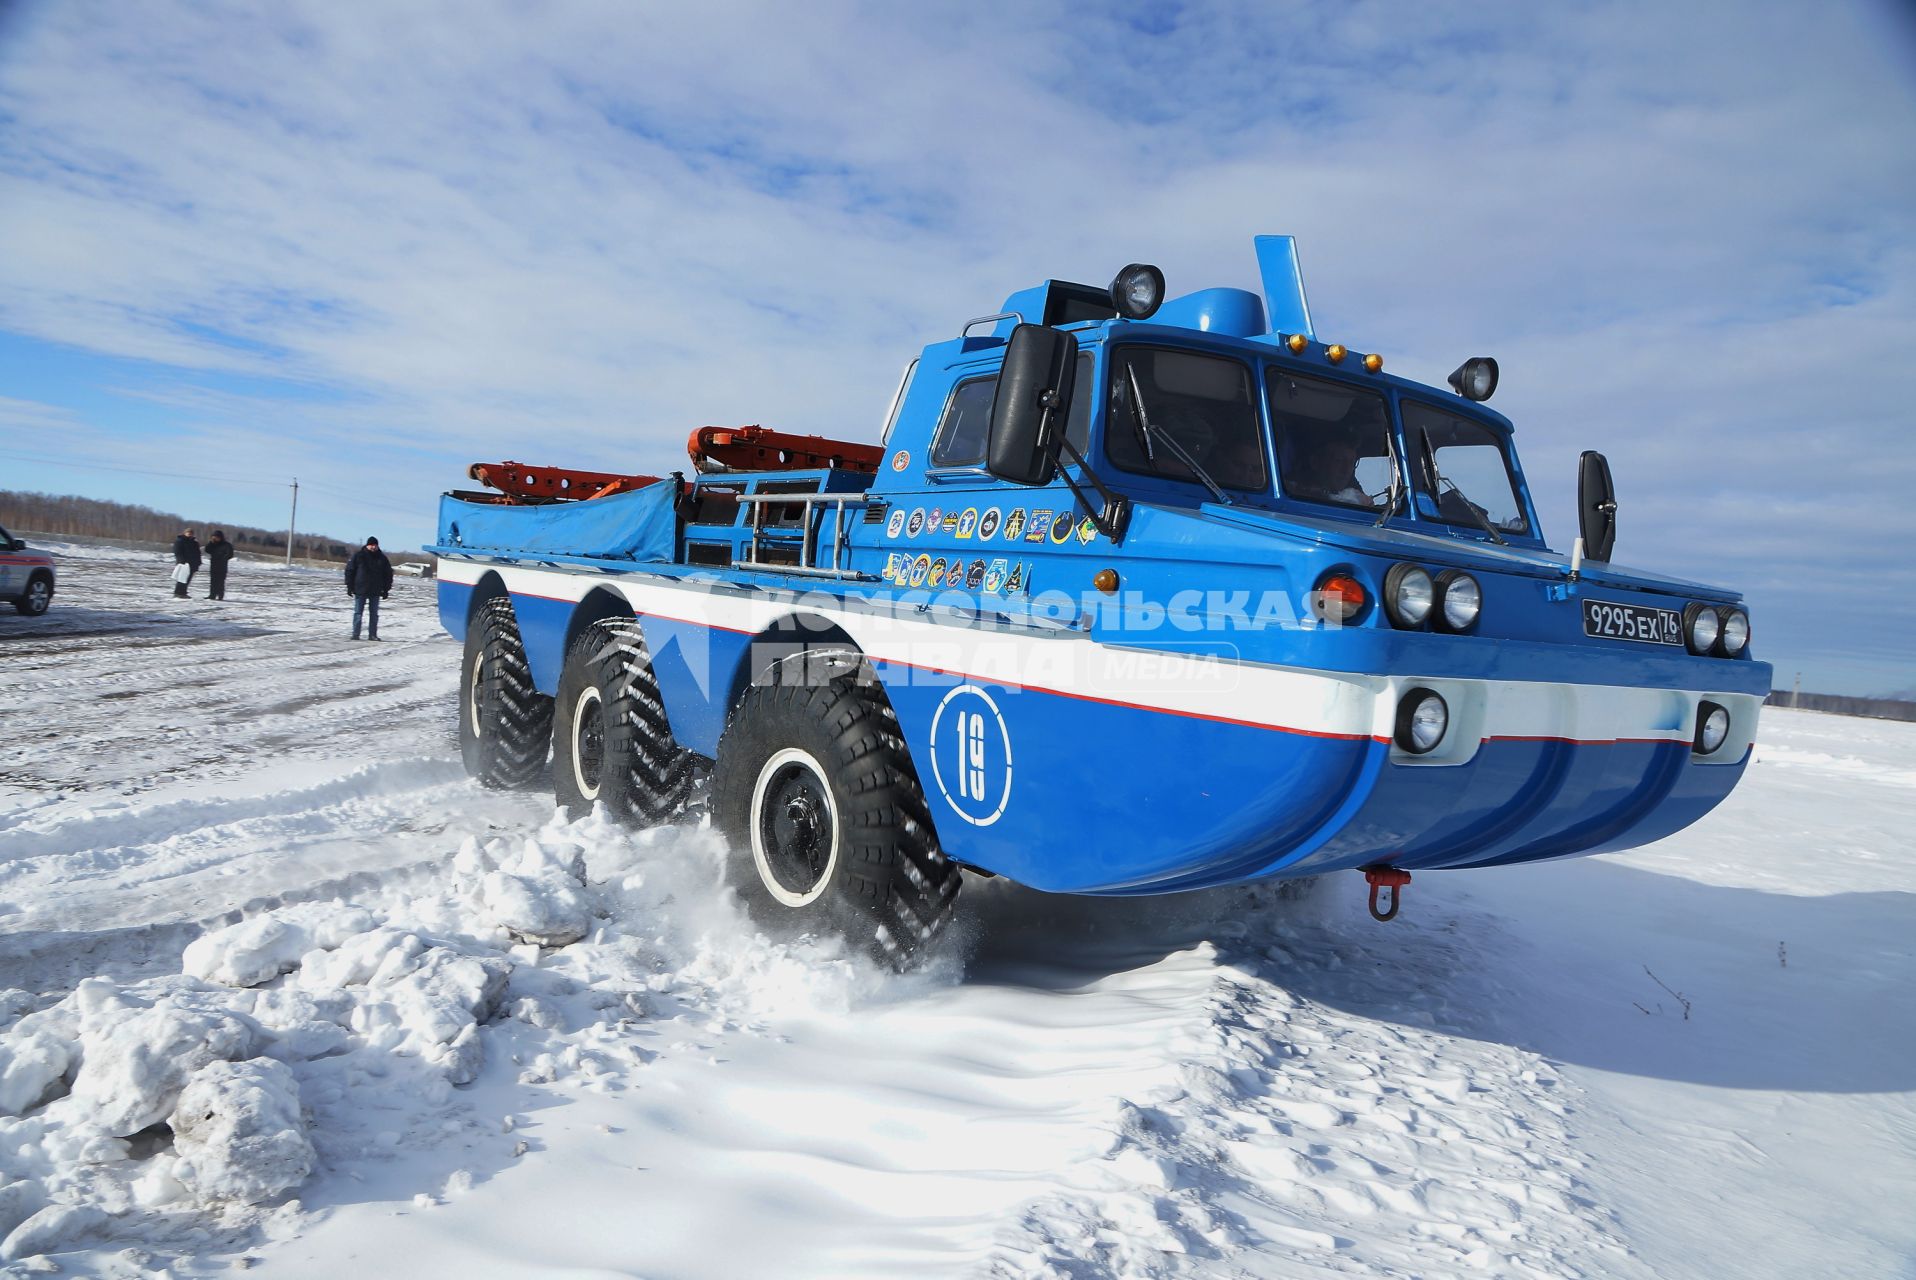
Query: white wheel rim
(587, 790)
(37, 596)
(770, 769)
(472, 700)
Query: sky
(365, 246)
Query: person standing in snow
(369, 579)
(186, 551)
(218, 552)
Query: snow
(239, 1134)
(281, 990)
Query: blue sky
(367, 245)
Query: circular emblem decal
(937, 578)
(896, 524)
(968, 522)
(919, 568)
(900, 460)
(1061, 527)
(988, 524)
(971, 755)
(915, 525)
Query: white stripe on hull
(1298, 700)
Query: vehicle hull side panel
(695, 667)
(1113, 798)
(455, 607)
(1091, 775)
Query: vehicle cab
(1206, 482)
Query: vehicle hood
(1445, 551)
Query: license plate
(1613, 621)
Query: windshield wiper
(1396, 482)
(1439, 481)
(1147, 432)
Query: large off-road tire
(34, 600)
(612, 743)
(815, 793)
(505, 724)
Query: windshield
(1471, 459)
(1205, 404)
(1332, 441)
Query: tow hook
(1382, 877)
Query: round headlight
(1408, 595)
(1137, 291)
(1462, 599)
(1712, 727)
(1736, 631)
(1475, 378)
(1422, 719)
(1701, 627)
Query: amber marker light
(1373, 363)
(1339, 598)
(1106, 581)
(1297, 342)
(1335, 353)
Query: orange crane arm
(517, 480)
(761, 449)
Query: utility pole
(292, 522)
(1796, 694)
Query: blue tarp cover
(629, 526)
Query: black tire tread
(513, 755)
(655, 772)
(899, 887)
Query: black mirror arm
(1116, 513)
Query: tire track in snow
(143, 826)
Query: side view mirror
(1032, 403)
(1596, 506)
(18, 544)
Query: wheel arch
(599, 604)
(459, 604)
(800, 631)
(489, 585)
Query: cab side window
(960, 438)
(960, 441)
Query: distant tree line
(66, 514)
(1875, 708)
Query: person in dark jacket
(186, 551)
(369, 579)
(218, 552)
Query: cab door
(13, 576)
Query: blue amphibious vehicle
(1134, 596)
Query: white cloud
(575, 232)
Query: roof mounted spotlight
(1475, 379)
(1137, 291)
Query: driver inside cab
(1329, 474)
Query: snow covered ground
(229, 833)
